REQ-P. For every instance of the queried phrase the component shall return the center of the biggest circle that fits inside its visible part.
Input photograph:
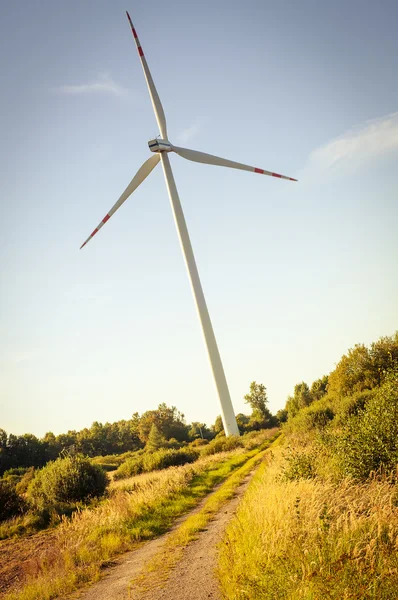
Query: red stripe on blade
(276, 175)
(106, 218)
(94, 232)
(140, 52)
(259, 171)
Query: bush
(23, 484)
(199, 442)
(169, 458)
(222, 444)
(67, 480)
(298, 465)
(131, 467)
(153, 461)
(368, 442)
(11, 503)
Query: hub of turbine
(159, 145)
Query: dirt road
(193, 577)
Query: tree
(156, 439)
(364, 368)
(218, 426)
(242, 422)
(199, 430)
(300, 399)
(319, 388)
(257, 399)
(169, 421)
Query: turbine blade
(138, 178)
(209, 159)
(157, 105)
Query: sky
(294, 274)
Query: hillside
(321, 519)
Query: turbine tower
(161, 148)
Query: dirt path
(193, 577)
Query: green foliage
(222, 444)
(368, 442)
(298, 465)
(282, 415)
(168, 420)
(364, 368)
(311, 418)
(23, 484)
(156, 439)
(257, 399)
(319, 388)
(131, 467)
(169, 458)
(200, 430)
(300, 399)
(11, 503)
(218, 426)
(153, 461)
(67, 480)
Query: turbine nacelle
(160, 145)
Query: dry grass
(157, 571)
(137, 509)
(312, 540)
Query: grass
(139, 509)
(156, 572)
(312, 539)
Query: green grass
(93, 536)
(311, 539)
(156, 572)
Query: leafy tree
(242, 422)
(300, 399)
(364, 368)
(282, 415)
(319, 388)
(10, 502)
(218, 426)
(199, 430)
(169, 421)
(368, 441)
(156, 439)
(257, 399)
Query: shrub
(11, 503)
(153, 461)
(131, 467)
(368, 442)
(298, 465)
(169, 458)
(199, 442)
(24, 483)
(67, 480)
(222, 444)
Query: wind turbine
(161, 148)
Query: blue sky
(294, 273)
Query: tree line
(100, 439)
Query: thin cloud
(357, 145)
(190, 132)
(103, 85)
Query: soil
(194, 575)
(21, 557)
